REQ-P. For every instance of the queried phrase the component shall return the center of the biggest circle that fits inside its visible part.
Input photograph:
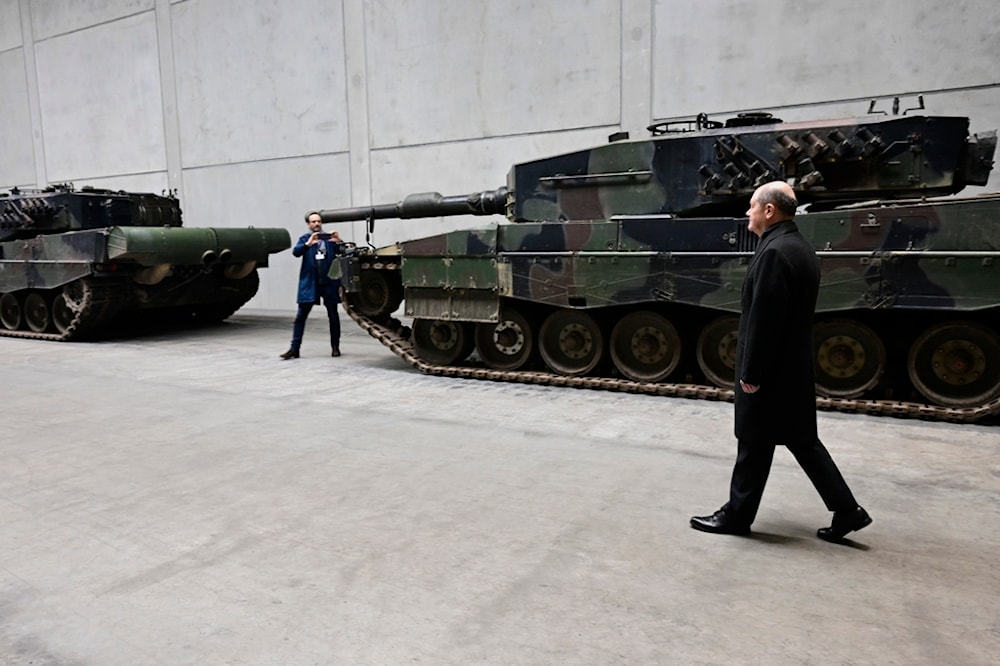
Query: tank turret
(620, 266)
(61, 208)
(714, 169)
(706, 167)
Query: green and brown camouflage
(627, 260)
(72, 261)
(714, 169)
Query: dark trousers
(299, 327)
(753, 464)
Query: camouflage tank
(621, 265)
(72, 261)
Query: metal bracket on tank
(370, 229)
(895, 106)
(871, 223)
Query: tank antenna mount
(919, 107)
(895, 106)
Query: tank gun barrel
(423, 205)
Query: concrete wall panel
(745, 55)
(17, 159)
(259, 79)
(155, 182)
(100, 101)
(251, 97)
(274, 193)
(56, 17)
(10, 25)
(445, 71)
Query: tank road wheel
(11, 314)
(849, 358)
(506, 345)
(378, 295)
(717, 351)
(571, 342)
(442, 342)
(645, 346)
(36, 312)
(956, 364)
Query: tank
(75, 263)
(620, 266)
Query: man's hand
(749, 388)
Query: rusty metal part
(390, 337)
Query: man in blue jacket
(775, 390)
(317, 250)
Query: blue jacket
(314, 280)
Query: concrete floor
(191, 499)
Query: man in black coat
(775, 392)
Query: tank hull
(621, 265)
(908, 309)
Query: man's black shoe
(335, 351)
(844, 522)
(291, 353)
(719, 523)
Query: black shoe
(719, 523)
(335, 351)
(844, 522)
(291, 353)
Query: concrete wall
(256, 110)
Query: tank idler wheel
(849, 358)
(956, 364)
(717, 351)
(379, 294)
(440, 342)
(36, 312)
(11, 313)
(62, 313)
(67, 305)
(645, 346)
(571, 342)
(506, 345)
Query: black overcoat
(774, 349)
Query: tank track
(99, 302)
(392, 337)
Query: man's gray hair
(311, 213)
(782, 201)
